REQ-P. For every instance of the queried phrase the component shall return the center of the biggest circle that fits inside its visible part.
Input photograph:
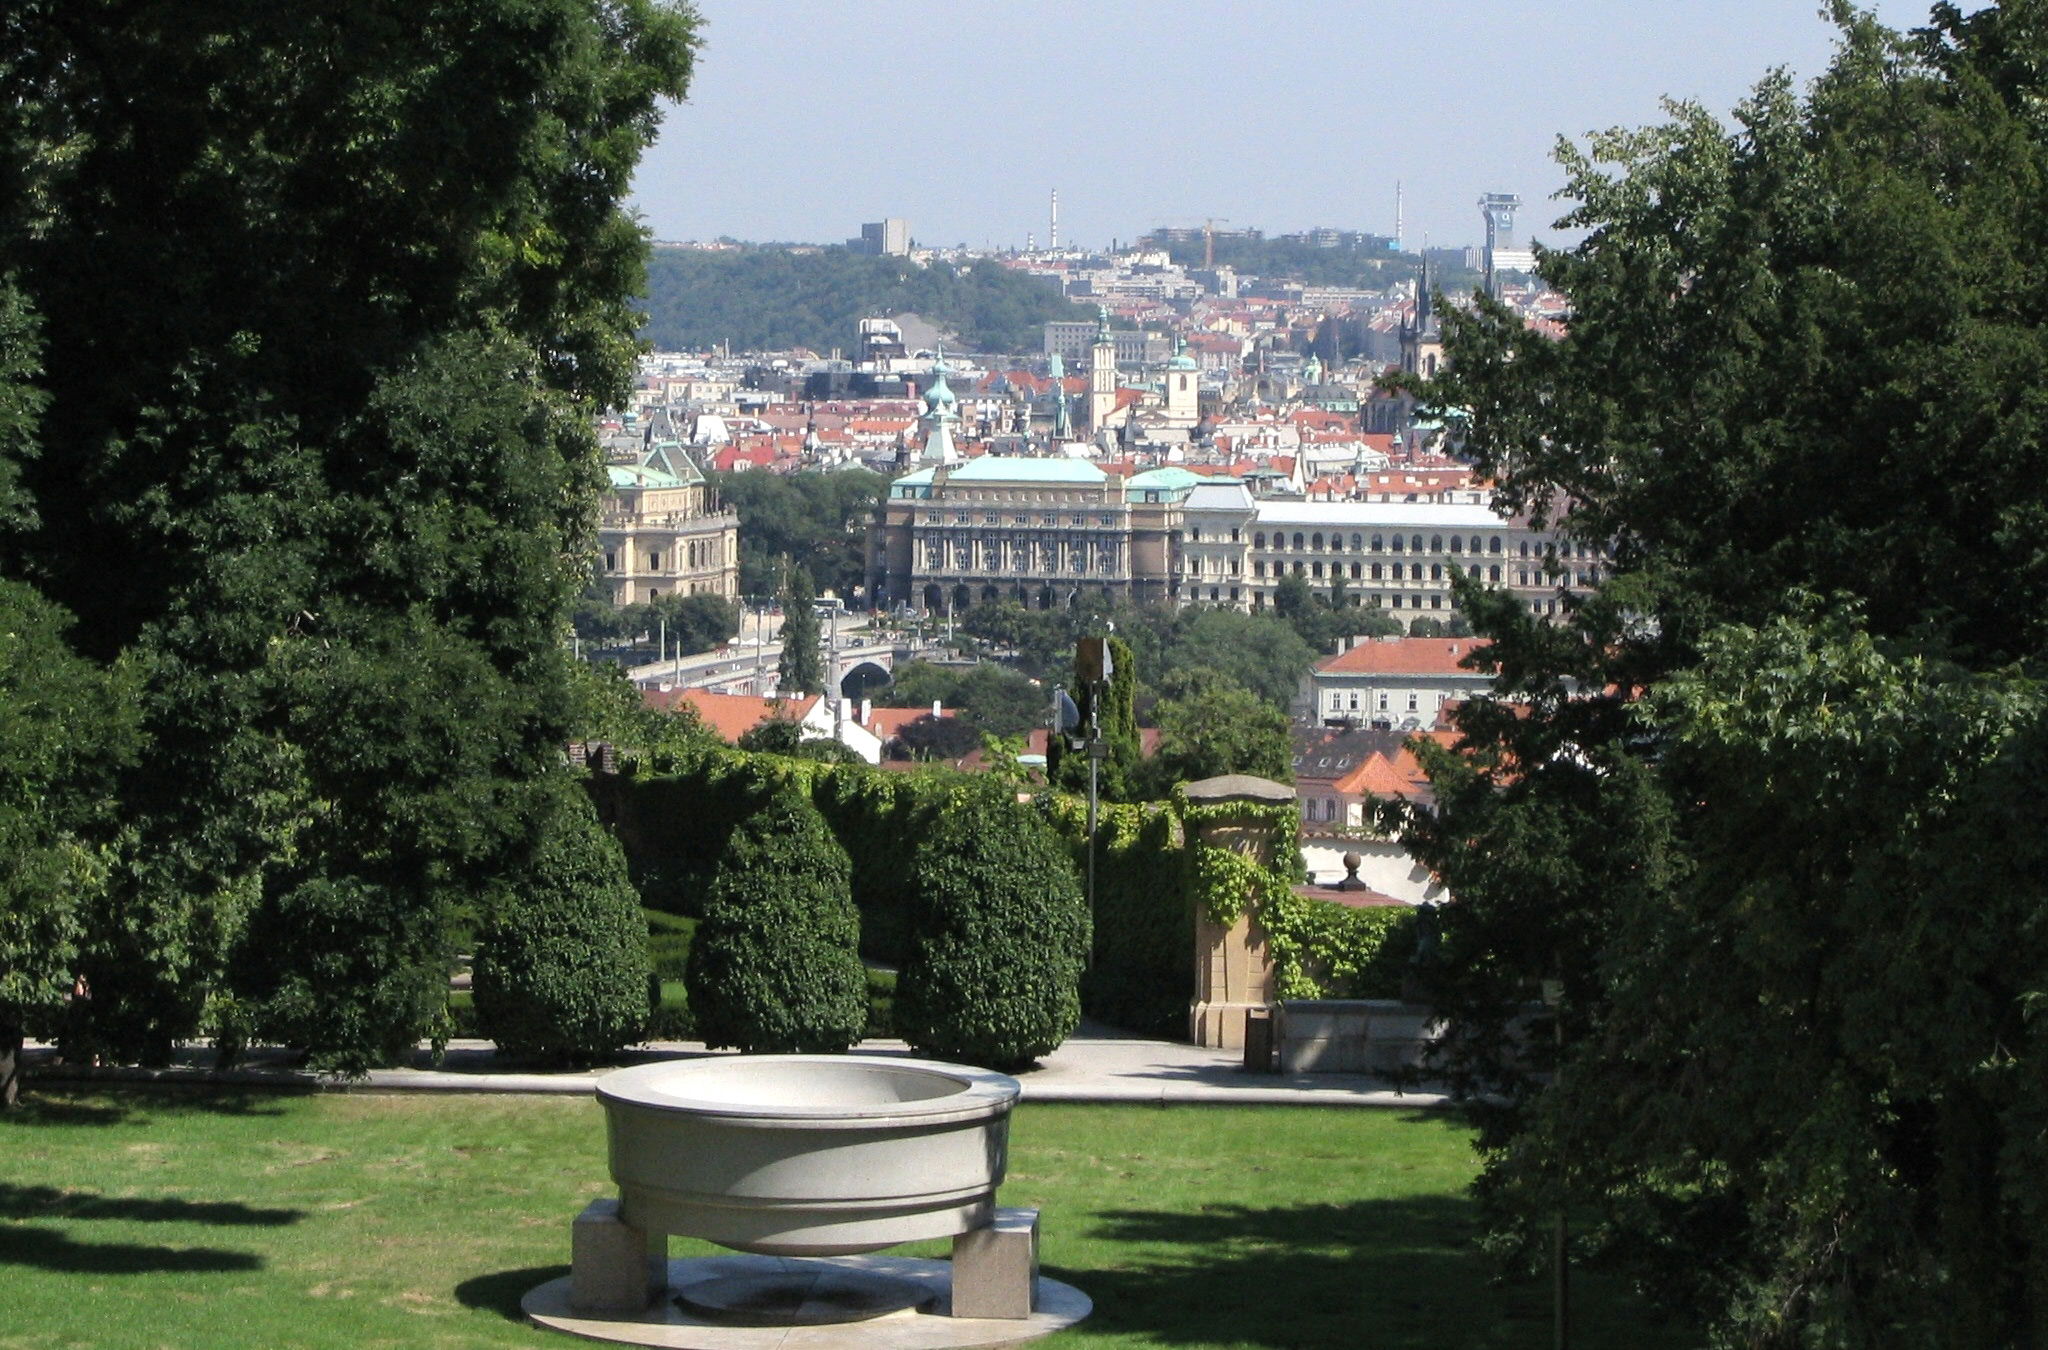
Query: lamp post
(1560, 1234)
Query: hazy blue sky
(807, 118)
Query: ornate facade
(663, 531)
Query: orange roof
(1399, 777)
(1403, 656)
(730, 715)
(888, 723)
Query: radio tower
(1397, 215)
(1053, 240)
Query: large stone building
(663, 531)
(1041, 532)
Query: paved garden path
(1098, 1064)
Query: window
(1354, 543)
(1375, 571)
(1022, 520)
(1411, 703)
(1259, 539)
(1436, 571)
(1336, 702)
(1397, 602)
(1493, 544)
(1493, 573)
(654, 562)
(1415, 543)
(1436, 602)
(1436, 543)
(1457, 544)
(1195, 535)
(1051, 520)
(1525, 548)
(1383, 702)
(1377, 544)
(1316, 541)
(1258, 567)
(1297, 569)
(1354, 571)
(1415, 571)
(611, 562)
(1107, 520)
(1233, 593)
(1233, 534)
(1354, 700)
(1316, 568)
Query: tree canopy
(1765, 807)
(327, 475)
(767, 298)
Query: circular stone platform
(670, 1325)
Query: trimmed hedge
(775, 965)
(561, 965)
(1142, 973)
(1000, 929)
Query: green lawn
(360, 1219)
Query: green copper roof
(1023, 469)
(640, 476)
(1165, 478)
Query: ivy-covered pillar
(1238, 829)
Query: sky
(805, 119)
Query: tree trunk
(10, 1065)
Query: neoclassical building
(1041, 532)
(663, 531)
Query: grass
(361, 1219)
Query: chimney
(935, 707)
(867, 711)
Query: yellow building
(663, 531)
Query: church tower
(1101, 375)
(1062, 424)
(940, 413)
(1183, 399)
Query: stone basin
(807, 1155)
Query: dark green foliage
(352, 974)
(818, 521)
(562, 963)
(775, 967)
(999, 930)
(769, 298)
(344, 456)
(989, 697)
(1118, 778)
(1784, 849)
(878, 819)
(775, 736)
(1210, 725)
(1142, 973)
(668, 943)
(939, 738)
(800, 670)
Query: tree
(999, 929)
(1259, 651)
(939, 738)
(561, 965)
(1212, 725)
(798, 670)
(350, 468)
(775, 965)
(1115, 720)
(1727, 803)
(989, 697)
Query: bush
(775, 964)
(999, 928)
(337, 970)
(668, 943)
(561, 966)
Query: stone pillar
(613, 1266)
(1233, 969)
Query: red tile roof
(730, 715)
(1403, 656)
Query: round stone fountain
(787, 1157)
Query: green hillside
(770, 298)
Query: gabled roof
(730, 715)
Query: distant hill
(769, 298)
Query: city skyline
(806, 119)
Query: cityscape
(1380, 719)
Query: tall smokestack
(1053, 241)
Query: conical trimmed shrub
(775, 966)
(999, 929)
(561, 964)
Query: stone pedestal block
(995, 1269)
(613, 1266)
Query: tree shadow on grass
(500, 1291)
(1398, 1274)
(50, 1202)
(51, 1250)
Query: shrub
(561, 965)
(775, 964)
(999, 928)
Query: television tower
(1053, 240)
(1397, 215)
